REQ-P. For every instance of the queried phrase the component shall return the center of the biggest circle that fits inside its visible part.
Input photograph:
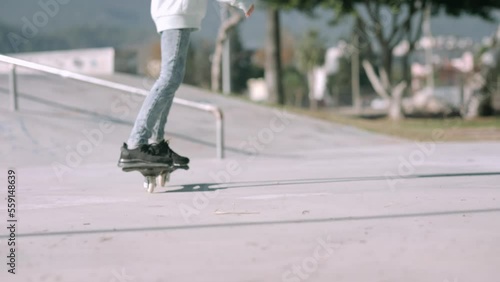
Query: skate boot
(165, 150)
(144, 155)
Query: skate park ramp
(295, 199)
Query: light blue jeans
(152, 118)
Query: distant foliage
(72, 38)
(198, 64)
(311, 51)
(242, 68)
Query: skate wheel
(151, 185)
(163, 179)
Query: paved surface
(308, 201)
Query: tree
(273, 68)
(226, 27)
(480, 86)
(310, 55)
(388, 23)
(242, 67)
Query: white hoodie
(177, 14)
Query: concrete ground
(296, 199)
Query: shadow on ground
(204, 187)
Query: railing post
(220, 134)
(13, 88)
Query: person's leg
(158, 132)
(150, 122)
(159, 128)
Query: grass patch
(420, 129)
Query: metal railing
(14, 62)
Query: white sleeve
(242, 4)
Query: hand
(250, 11)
